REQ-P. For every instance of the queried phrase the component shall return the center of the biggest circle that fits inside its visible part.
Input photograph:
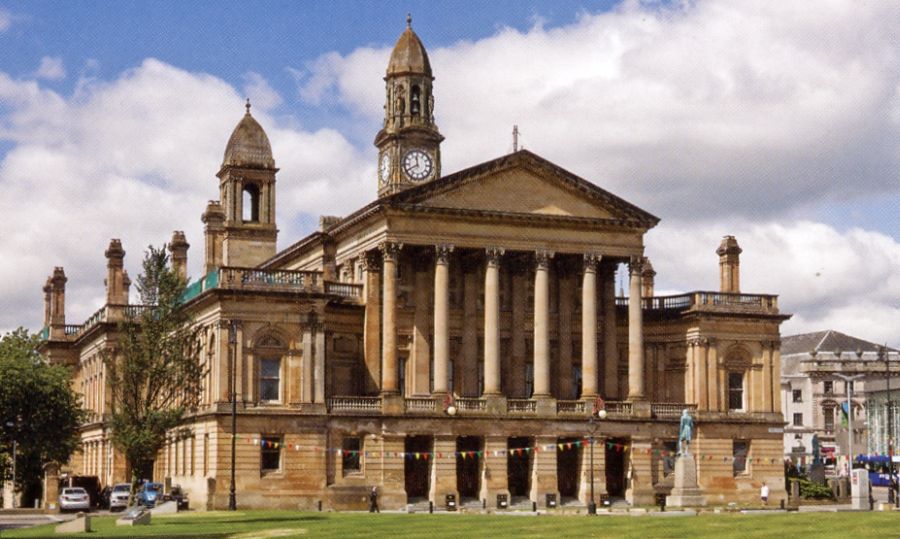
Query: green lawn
(252, 524)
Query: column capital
(442, 253)
(591, 260)
(542, 258)
(371, 260)
(636, 265)
(493, 255)
(390, 250)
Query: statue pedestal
(686, 492)
(817, 473)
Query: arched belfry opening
(250, 203)
(415, 101)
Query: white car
(118, 498)
(74, 499)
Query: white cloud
(828, 279)
(260, 93)
(135, 158)
(51, 68)
(697, 109)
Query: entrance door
(468, 467)
(615, 466)
(567, 461)
(518, 467)
(417, 466)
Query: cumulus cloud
(702, 108)
(260, 93)
(51, 68)
(135, 158)
(826, 278)
(6, 20)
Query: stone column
(372, 325)
(495, 473)
(542, 325)
(492, 321)
(307, 393)
(584, 486)
(320, 363)
(702, 390)
(441, 318)
(610, 335)
(589, 327)
(389, 376)
(635, 332)
(713, 385)
(392, 491)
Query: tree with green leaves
(39, 412)
(155, 377)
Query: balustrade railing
(72, 329)
(354, 404)
(420, 404)
(619, 408)
(521, 406)
(256, 279)
(467, 404)
(570, 407)
(670, 410)
(707, 300)
(346, 290)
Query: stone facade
(450, 338)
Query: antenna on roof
(515, 135)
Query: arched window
(251, 203)
(415, 101)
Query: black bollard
(430, 506)
(484, 504)
(320, 506)
(534, 506)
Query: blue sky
(768, 121)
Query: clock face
(417, 165)
(384, 169)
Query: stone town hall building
(490, 290)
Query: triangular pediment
(523, 183)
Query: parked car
(74, 499)
(150, 494)
(178, 495)
(118, 498)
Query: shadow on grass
(272, 520)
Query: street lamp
(232, 352)
(847, 380)
(598, 413)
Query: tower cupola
(409, 141)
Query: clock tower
(409, 143)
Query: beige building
(449, 338)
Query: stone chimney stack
(729, 265)
(115, 259)
(58, 299)
(214, 234)
(179, 248)
(48, 288)
(647, 275)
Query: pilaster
(640, 484)
(494, 480)
(544, 476)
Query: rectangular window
(193, 458)
(829, 419)
(798, 395)
(270, 453)
(829, 387)
(529, 380)
(350, 449)
(401, 382)
(270, 380)
(740, 450)
(735, 391)
(798, 420)
(576, 381)
(848, 387)
(205, 454)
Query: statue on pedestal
(685, 432)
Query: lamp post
(847, 380)
(892, 494)
(232, 352)
(598, 413)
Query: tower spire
(247, 106)
(409, 20)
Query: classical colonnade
(390, 253)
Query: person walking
(373, 500)
(764, 493)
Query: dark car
(150, 494)
(178, 495)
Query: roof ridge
(827, 334)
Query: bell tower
(247, 192)
(409, 143)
